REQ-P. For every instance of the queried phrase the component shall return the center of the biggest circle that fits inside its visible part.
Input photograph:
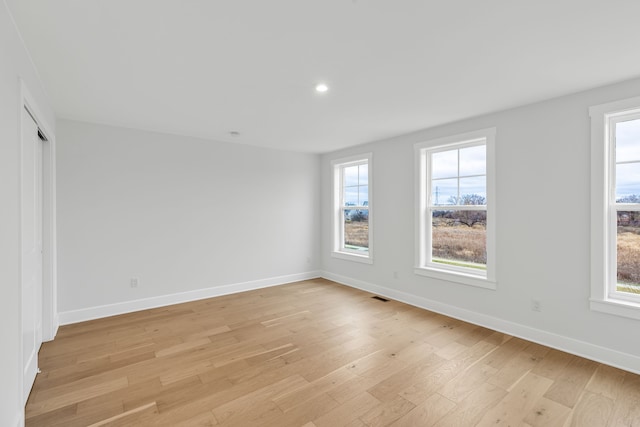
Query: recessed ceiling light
(234, 133)
(321, 88)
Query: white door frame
(49, 272)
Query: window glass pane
(628, 141)
(628, 182)
(460, 238)
(351, 196)
(356, 230)
(473, 191)
(363, 197)
(628, 247)
(363, 174)
(473, 160)
(444, 191)
(350, 175)
(444, 164)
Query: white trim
(352, 257)
(456, 277)
(423, 266)
(336, 215)
(355, 159)
(90, 313)
(50, 322)
(615, 107)
(49, 240)
(626, 361)
(19, 420)
(617, 307)
(604, 298)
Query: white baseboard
(75, 316)
(628, 362)
(56, 325)
(19, 419)
(50, 334)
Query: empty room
(320, 213)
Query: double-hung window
(615, 208)
(352, 208)
(455, 214)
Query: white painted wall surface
(14, 64)
(180, 214)
(543, 229)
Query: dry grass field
(629, 258)
(460, 242)
(356, 233)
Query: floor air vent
(380, 298)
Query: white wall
(543, 229)
(14, 64)
(178, 213)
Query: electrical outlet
(134, 282)
(536, 305)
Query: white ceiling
(208, 67)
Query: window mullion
(342, 186)
(633, 207)
(458, 178)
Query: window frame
(339, 250)
(604, 295)
(424, 265)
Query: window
(615, 186)
(352, 208)
(455, 214)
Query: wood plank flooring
(315, 354)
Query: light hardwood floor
(316, 353)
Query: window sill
(616, 307)
(365, 259)
(456, 277)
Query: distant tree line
(358, 215)
(633, 198)
(468, 199)
(460, 217)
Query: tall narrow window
(625, 131)
(352, 208)
(454, 210)
(616, 208)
